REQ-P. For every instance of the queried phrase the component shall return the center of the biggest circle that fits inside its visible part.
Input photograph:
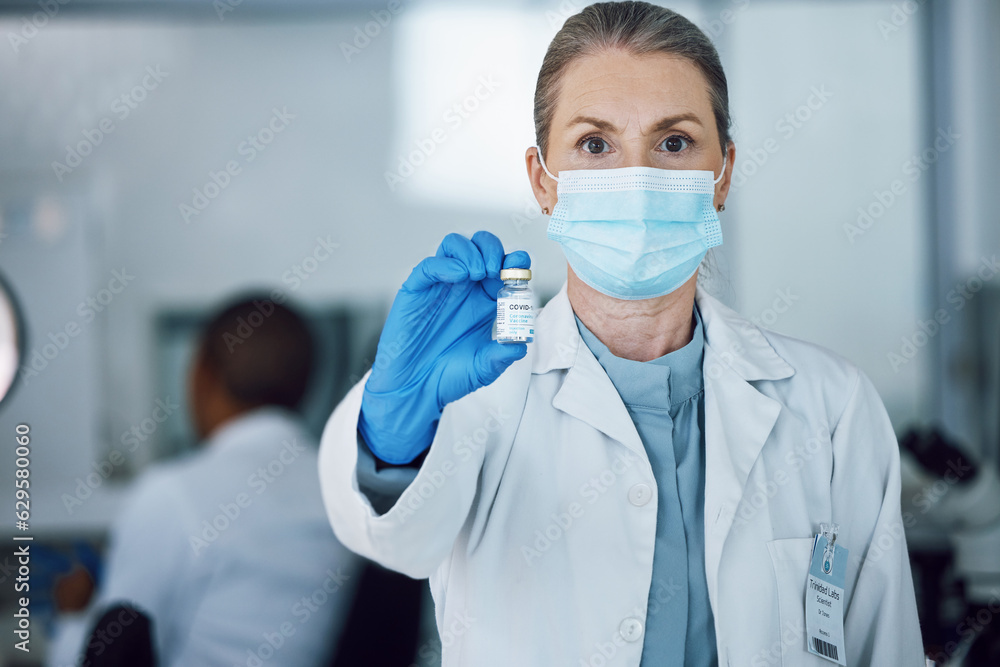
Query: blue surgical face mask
(635, 232)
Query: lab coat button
(639, 494)
(631, 629)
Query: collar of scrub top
(542, 162)
(682, 368)
(558, 341)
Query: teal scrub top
(666, 400)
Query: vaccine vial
(515, 307)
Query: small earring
(722, 207)
(545, 210)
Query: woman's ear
(722, 189)
(541, 184)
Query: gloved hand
(437, 345)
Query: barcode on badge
(825, 649)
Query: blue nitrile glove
(437, 344)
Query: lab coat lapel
(587, 392)
(738, 421)
(738, 418)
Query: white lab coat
(534, 512)
(230, 552)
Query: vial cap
(515, 274)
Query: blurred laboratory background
(158, 157)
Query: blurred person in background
(225, 557)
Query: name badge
(825, 597)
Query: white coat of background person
(530, 499)
(228, 550)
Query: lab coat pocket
(790, 562)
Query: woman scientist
(644, 483)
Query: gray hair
(638, 28)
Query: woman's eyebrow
(661, 125)
(670, 121)
(603, 125)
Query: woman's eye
(596, 145)
(674, 144)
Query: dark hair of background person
(122, 636)
(261, 351)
